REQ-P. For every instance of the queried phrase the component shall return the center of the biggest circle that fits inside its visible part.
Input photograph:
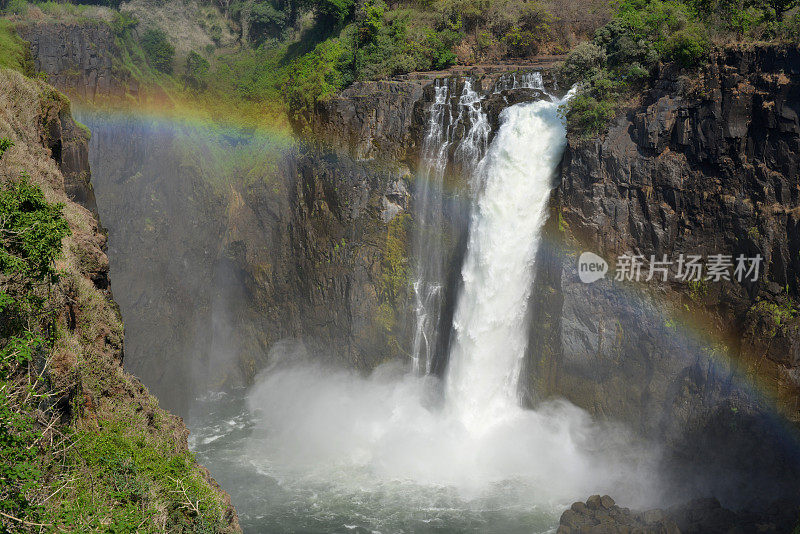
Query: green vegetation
(157, 49)
(617, 64)
(777, 313)
(698, 290)
(196, 71)
(31, 230)
(395, 280)
(130, 475)
(14, 52)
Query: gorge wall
(215, 265)
(80, 59)
(705, 165)
(88, 394)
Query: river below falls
(272, 498)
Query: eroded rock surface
(79, 59)
(704, 166)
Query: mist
(391, 427)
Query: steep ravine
(89, 398)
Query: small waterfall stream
(428, 246)
(428, 283)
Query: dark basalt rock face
(78, 59)
(369, 120)
(706, 165)
(600, 515)
(210, 278)
(69, 148)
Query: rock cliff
(705, 165)
(81, 59)
(89, 395)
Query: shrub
(790, 28)
(371, 21)
(441, 48)
(624, 52)
(265, 21)
(196, 71)
(333, 12)
(123, 23)
(31, 230)
(582, 63)
(588, 116)
(688, 47)
(158, 50)
(316, 75)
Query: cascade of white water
(489, 323)
(525, 80)
(443, 128)
(427, 285)
(473, 146)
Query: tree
(158, 49)
(196, 71)
(782, 6)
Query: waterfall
(490, 319)
(443, 127)
(525, 80)
(473, 146)
(427, 285)
(374, 451)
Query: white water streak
(429, 209)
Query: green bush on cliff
(622, 54)
(14, 52)
(318, 74)
(31, 230)
(158, 50)
(123, 22)
(196, 71)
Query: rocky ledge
(601, 515)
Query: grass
(119, 479)
(14, 52)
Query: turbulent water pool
(272, 497)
